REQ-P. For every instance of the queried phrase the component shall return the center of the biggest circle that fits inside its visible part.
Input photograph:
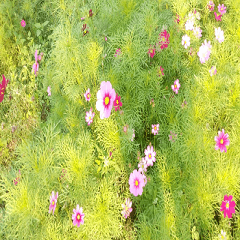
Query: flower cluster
(17, 179)
(189, 25)
(221, 10)
(118, 52)
(35, 66)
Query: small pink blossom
(150, 155)
(144, 179)
(105, 98)
(163, 39)
(189, 25)
(213, 71)
(223, 235)
(78, 216)
(151, 52)
(117, 103)
(219, 34)
(49, 91)
(35, 65)
(197, 32)
(204, 51)
(186, 41)
(127, 208)
(222, 141)
(155, 129)
(89, 117)
(222, 9)
(136, 183)
(228, 206)
(53, 202)
(175, 87)
(87, 95)
(133, 135)
(3, 86)
(118, 52)
(105, 38)
(82, 18)
(211, 6)
(23, 23)
(142, 166)
(160, 71)
(218, 17)
(177, 19)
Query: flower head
(163, 39)
(23, 23)
(35, 65)
(127, 208)
(175, 87)
(189, 25)
(211, 6)
(160, 71)
(221, 141)
(218, 17)
(213, 71)
(136, 183)
(186, 41)
(151, 52)
(118, 52)
(228, 206)
(197, 32)
(90, 13)
(49, 91)
(117, 103)
(84, 29)
(177, 19)
(150, 155)
(222, 9)
(87, 95)
(219, 34)
(133, 135)
(78, 216)
(223, 235)
(105, 38)
(144, 179)
(105, 98)
(155, 129)
(53, 202)
(204, 51)
(3, 86)
(142, 166)
(89, 117)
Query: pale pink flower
(87, 95)
(53, 202)
(136, 183)
(151, 52)
(221, 141)
(144, 179)
(222, 9)
(23, 23)
(35, 65)
(189, 25)
(155, 129)
(150, 155)
(133, 135)
(142, 166)
(219, 34)
(105, 38)
(78, 216)
(127, 208)
(211, 6)
(175, 87)
(49, 91)
(105, 98)
(204, 51)
(89, 117)
(160, 71)
(197, 32)
(186, 41)
(223, 235)
(213, 71)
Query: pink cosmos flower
(151, 52)
(228, 206)
(118, 52)
(105, 98)
(213, 71)
(204, 51)
(49, 91)
(160, 71)
(82, 18)
(87, 95)
(53, 202)
(189, 25)
(78, 216)
(219, 34)
(222, 141)
(176, 86)
(127, 208)
(3, 86)
(144, 179)
(211, 6)
(142, 166)
(105, 38)
(150, 155)
(186, 41)
(89, 117)
(218, 17)
(23, 23)
(163, 39)
(133, 135)
(222, 9)
(117, 103)
(136, 183)
(178, 19)
(197, 32)
(155, 129)
(223, 235)
(35, 65)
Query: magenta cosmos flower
(150, 155)
(211, 6)
(87, 95)
(160, 71)
(222, 9)
(163, 39)
(89, 117)
(175, 87)
(136, 183)
(221, 141)
(142, 166)
(117, 103)
(218, 17)
(118, 52)
(23, 23)
(78, 216)
(127, 208)
(228, 206)
(49, 91)
(35, 65)
(151, 52)
(204, 51)
(155, 129)
(3, 86)
(105, 98)
(53, 202)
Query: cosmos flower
(3, 86)
(186, 41)
(155, 129)
(163, 39)
(197, 32)
(218, 17)
(151, 52)
(222, 141)
(150, 155)
(127, 208)
(189, 25)
(23, 23)
(35, 65)
(213, 71)
(210, 6)
(78, 216)
(175, 87)
(53, 202)
(228, 206)
(89, 117)
(117, 103)
(87, 95)
(223, 235)
(204, 51)
(142, 166)
(136, 183)
(160, 71)
(219, 34)
(222, 9)
(49, 91)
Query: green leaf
(37, 25)
(45, 23)
(29, 33)
(38, 32)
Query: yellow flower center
(149, 155)
(151, 51)
(175, 86)
(221, 9)
(117, 101)
(89, 118)
(221, 141)
(88, 95)
(227, 205)
(106, 100)
(185, 42)
(163, 39)
(136, 183)
(52, 202)
(155, 128)
(78, 217)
